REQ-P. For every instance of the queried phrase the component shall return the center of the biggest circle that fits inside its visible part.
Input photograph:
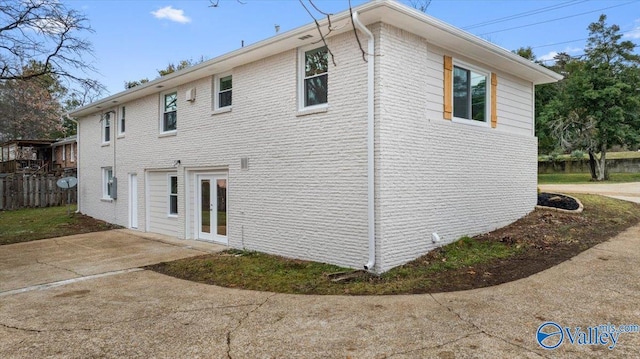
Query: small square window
(470, 94)
(313, 73)
(170, 109)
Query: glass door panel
(205, 206)
(221, 206)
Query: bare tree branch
(322, 36)
(355, 32)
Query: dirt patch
(534, 243)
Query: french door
(212, 208)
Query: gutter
(370, 143)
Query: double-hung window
(121, 122)
(170, 109)
(107, 182)
(173, 195)
(106, 128)
(223, 92)
(314, 67)
(470, 94)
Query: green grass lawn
(560, 178)
(38, 223)
(538, 241)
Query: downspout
(77, 152)
(370, 143)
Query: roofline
(156, 85)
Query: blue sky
(134, 38)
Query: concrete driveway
(625, 191)
(140, 314)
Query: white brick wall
(305, 193)
(436, 175)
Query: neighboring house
(25, 156)
(64, 153)
(274, 148)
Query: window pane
(316, 62)
(224, 99)
(170, 102)
(173, 204)
(460, 92)
(170, 121)
(225, 83)
(315, 90)
(174, 185)
(478, 96)
(221, 206)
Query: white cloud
(169, 13)
(635, 33)
(548, 57)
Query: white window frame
(171, 194)
(64, 153)
(216, 92)
(122, 122)
(302, 78)
(487, 109)
(106, 123)
(73, 153)
(107, 181)
(162, 112)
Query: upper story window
(64, 153)
(73, 153)
(470, 94)
(170, 109)
(121, 122)
(223, 97)
(106, 127)
(313, 73)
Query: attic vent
(244, 163)
(305, 37)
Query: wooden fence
(28, 191)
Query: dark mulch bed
(557, 201)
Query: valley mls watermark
(551, 335)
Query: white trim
(487, 109)
(301, 78)
(133, 197)
(216, 92)
(73, 153)
(103, 127)
(162, 108)
(105, 182)
(121, 119)
(169, 194)
(214, 175)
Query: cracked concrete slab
(143, 314)
(48, 260)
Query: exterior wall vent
(244, 163)
(190, 94)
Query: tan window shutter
(448, 92)
(494, 100)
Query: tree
(44, 31)
(598, 104)
(31, 105)
(171, 68)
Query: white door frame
(213, 236)
(133, 200)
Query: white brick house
(273, 148)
